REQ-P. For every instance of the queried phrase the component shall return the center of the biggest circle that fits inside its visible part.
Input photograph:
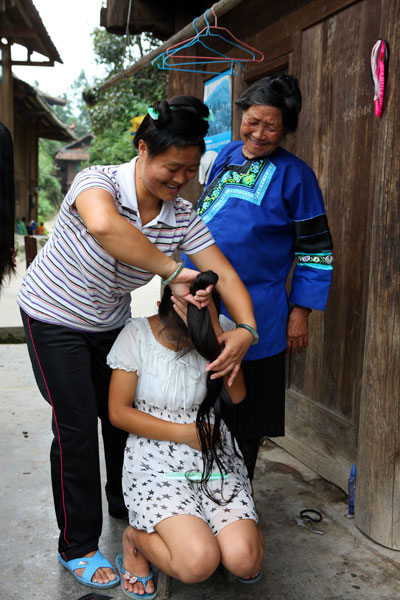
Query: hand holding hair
(236, 343)
(180, 287)
(180, 307)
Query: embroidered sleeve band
(313, 245)
(323, 260)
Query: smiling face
(261, 130)
(161, 177)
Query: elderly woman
(265, 211)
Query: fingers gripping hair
(206, 343)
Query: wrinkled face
(261, 130)
(164, 175)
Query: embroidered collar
(126, 181)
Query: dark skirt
(262, 412)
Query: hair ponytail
(205, 342)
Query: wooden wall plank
(378, 482)
(276, 39)
(7, 89)
(321, 452)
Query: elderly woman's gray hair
(280, 91)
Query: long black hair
(180, 122)
(205, 342)
(278, 90)
(7, 204)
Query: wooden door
(335, 137)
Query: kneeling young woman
(185, 482)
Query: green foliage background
(109, 118)
(50, 195)
(115, 107)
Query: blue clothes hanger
(167, 60)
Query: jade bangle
(251, 330)
(174, 274)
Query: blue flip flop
(251, 579)
(90, 564)
(143, 580)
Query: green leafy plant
(113, 109)
(50, 195)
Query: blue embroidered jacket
(265, 213)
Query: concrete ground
(339, 564)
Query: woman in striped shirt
(117, 227)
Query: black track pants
(72, 375)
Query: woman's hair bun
(278, 90)
(164, 111)
(180, 122)
(288, 87)
(203, 280)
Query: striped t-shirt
(75, 282)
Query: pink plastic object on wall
(379, 61)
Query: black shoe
(118, 514)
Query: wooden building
(343, 395)
(33, 119)
(70, 158)
(23, 109)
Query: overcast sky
(69, 25)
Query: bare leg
(135, 563)
(242, 548)
(182, 546)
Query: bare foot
(136, 564)
(102, 575)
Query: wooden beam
(7, 89)
(32, 63)
(42, 38)
(272, 61)
(156, 17)
(23, 13)
(20, 32)
(220, 9)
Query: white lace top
(167, 379)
